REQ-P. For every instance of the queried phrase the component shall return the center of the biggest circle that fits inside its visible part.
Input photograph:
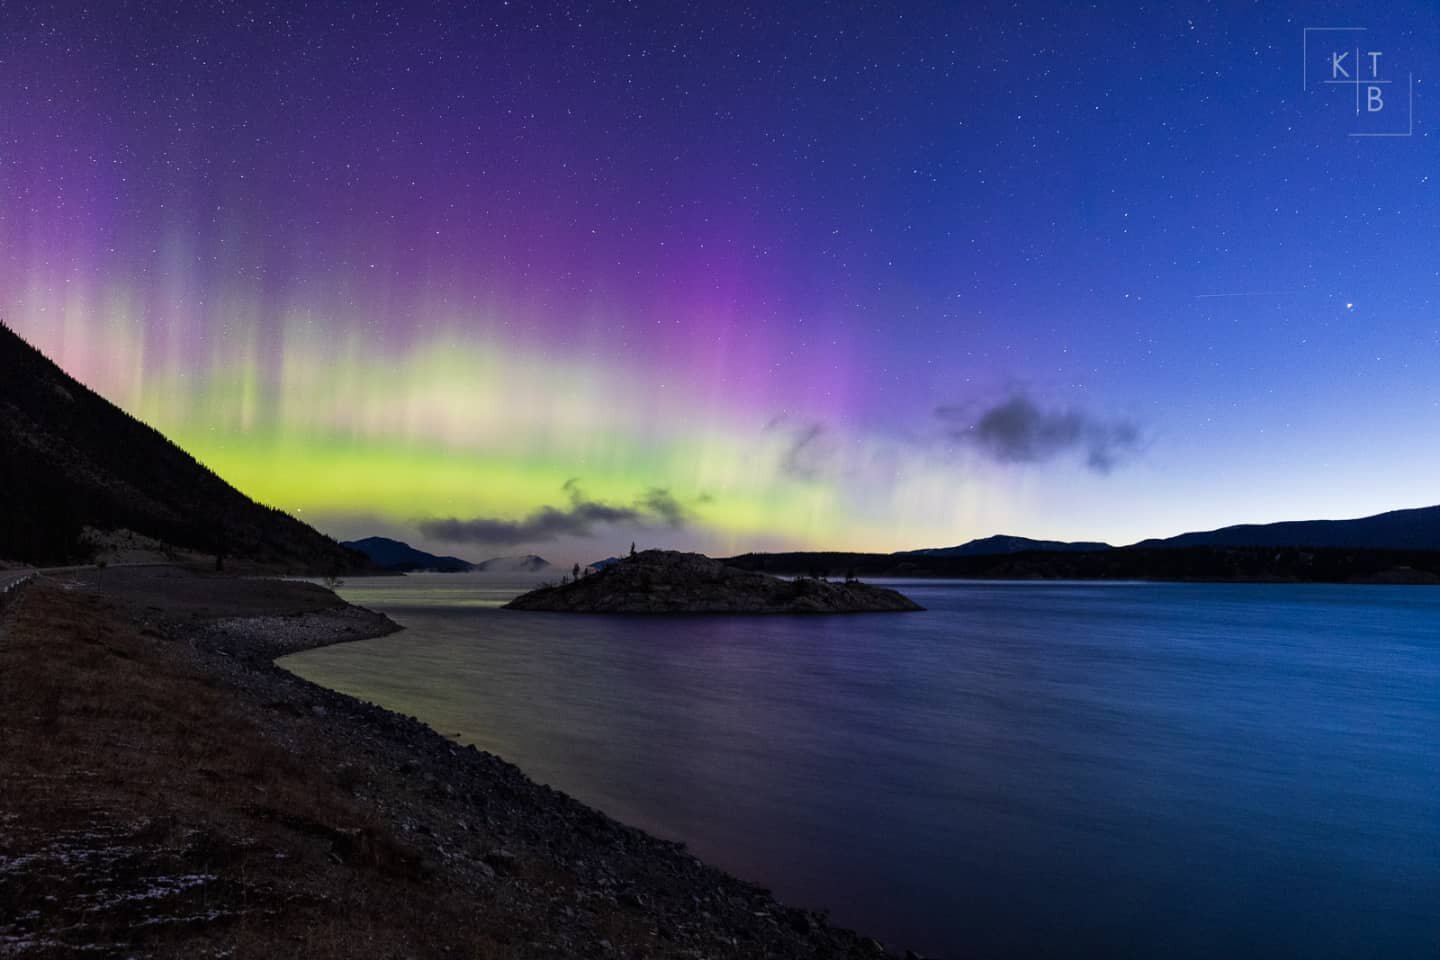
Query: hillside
(73, 460)
(666, 581)
(1417, 529)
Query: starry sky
(508, 277)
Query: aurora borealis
(743, 277)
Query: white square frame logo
(1362, 72)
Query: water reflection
(1038, 769)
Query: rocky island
(667, 581)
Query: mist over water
(1179, 770)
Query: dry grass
(144, 807)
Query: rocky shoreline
(278, 813)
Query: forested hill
(1198, 563)
(72, 459)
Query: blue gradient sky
(849, 276)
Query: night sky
(496, 278)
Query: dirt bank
(170, 792)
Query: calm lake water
(1022, 770)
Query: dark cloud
(656, 507)
(661, 504)
(810, 450)
(1017, 430)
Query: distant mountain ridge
(1411, 529)
(1000, 545)
(400, 557)
(403, 558)
(70, 459)
(529, 563)
(1415, 529)
(1401, 546)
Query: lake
(1036, 769)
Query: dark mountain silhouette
(529, 563)
(1001, 544)
(401, 557)
(1205, 563)
(71, 459)
(1417, 529)
(1402, 546)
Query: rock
(667, 581)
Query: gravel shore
(270, 812)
